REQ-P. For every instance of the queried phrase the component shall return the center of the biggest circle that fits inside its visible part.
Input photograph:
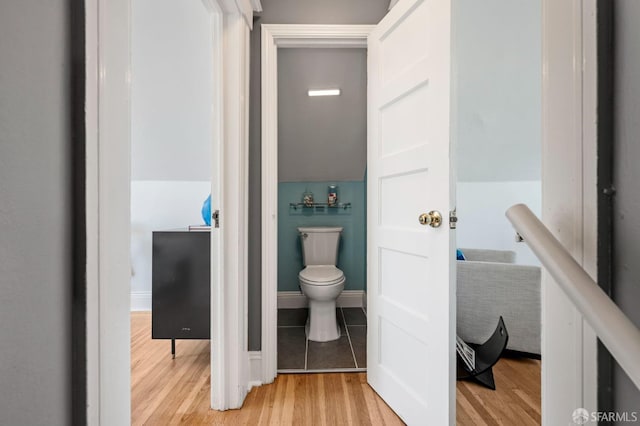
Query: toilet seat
(321, 275)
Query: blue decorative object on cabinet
(206, 210)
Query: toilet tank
(320, 245)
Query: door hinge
(216, 218)
(453, 219)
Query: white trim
(140, 301)
(243, 7)
(107, 115)
(590, 191)
(295, 299)
(569, 201)
(256, 5)
(229, 356)
(291, 300)
(255, 369)
(94, 384)
(302, 35)
(269, 205)
(274, 37)
(217, 202)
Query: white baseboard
(140, 301)
(255, 369)
(295, 299)
(350, 299)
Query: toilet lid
(321, 274)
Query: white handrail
(615, 330)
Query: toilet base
(322, 323)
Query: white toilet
(321, 281)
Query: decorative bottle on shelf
(332, 198)
(307, 199)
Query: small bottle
(332, 199)
(307, 199)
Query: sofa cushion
(485, 255)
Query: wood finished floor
(172, 392)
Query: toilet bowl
(321, 281)
(322, 285)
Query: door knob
(433, 219)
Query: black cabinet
(181, 289)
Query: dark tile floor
(296, 354)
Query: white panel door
(411, 282)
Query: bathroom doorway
(398, 172)
(322, 156)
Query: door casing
(107, 120)
(276, 37)
(569, 199)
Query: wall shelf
(319, 206)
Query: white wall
(497, 52)
(171, 90)
(171, 107)
(482, 223)
(158, 205)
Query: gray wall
(35, 211)
(626, 176)
(286, 12)
(322, 138)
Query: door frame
(275, 36)
(569, 199)
(107, 189)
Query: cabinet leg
(173, 348)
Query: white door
(411, 280)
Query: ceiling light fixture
(327, 92)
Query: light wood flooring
(165, 391)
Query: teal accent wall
(352, 255)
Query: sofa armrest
(488, 290)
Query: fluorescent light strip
(328, 92)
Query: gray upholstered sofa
(491, 285)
